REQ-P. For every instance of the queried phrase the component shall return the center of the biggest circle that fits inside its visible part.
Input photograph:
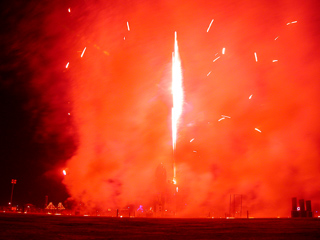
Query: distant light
(85, 215)
(69, 114)
(177, 189)
(223, 50)
(256, 57)
(121, 216)
(298, 208)
(140, 208)
(210, 25)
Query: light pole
(13, 181)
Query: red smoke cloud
(121, 102)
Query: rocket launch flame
(177, 95)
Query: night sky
(88, 90)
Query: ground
(31, 226)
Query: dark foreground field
(23, 226)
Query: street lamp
(13, 181)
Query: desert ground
(32, 226)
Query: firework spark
(83, 51)
(223, 117)
(216, 59)
(256, 57)
(258, 130)
(210, 25)
(292, 22)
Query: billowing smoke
(255, 122)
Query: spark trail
(177, 95)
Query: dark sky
(107, 117)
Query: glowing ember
(83, 51)
(177, 94)
(128, 26)
(275, 60)
(223, 50)
(256, 57)
(67, 65)
(69, 10)
(276, 38)
(250, 96)
(64, 172)
(192, 140)
(208, 73)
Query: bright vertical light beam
(177, 96)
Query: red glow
(265, 148)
